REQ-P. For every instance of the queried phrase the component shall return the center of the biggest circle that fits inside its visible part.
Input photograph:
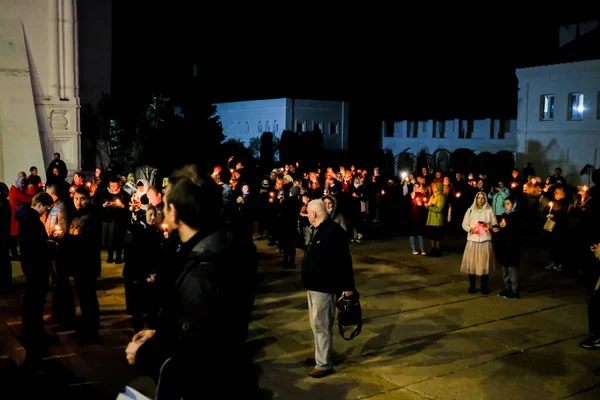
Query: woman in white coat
(478, 258)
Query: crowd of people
(189, 262)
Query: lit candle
(164, 226)
(585, 188)
(72, 189)
(503, 221)
(458, 194)
(551, 205)
(425, 199)
(514, 185)
(383, 192)
(57, 228)
(88, 184)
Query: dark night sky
(387, 69)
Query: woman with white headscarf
(478, 258)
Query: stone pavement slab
(424, 337)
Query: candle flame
(164, 226)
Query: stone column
(58, 110)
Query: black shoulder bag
(349, 313)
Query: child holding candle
(508, 252)
(143, 260)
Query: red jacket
(16, 197)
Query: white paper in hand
(132, 394)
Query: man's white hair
(317, 206)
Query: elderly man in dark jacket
(202, 328)
(326, 274)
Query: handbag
(549, 225)
(349, 313)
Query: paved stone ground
(424, 336)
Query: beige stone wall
(39, 94)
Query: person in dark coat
(326, 274)
(60, 166)
(508, 251)
(37, 252)
(209, 284)
(5, 220)
(83, 246)
(144, 254)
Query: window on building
(268, 126)
(260, 127)
(575, 106)
(334, 127)
(300, 126)
(389, 129)
(547, 107)
(275, 126)
(441, 129)
(246, 127)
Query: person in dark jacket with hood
(326, 274)
(37, 252)
(508, 252)
(201, 332)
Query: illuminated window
(547, 107)
(268, 126)
(576, 106)
(260, 127)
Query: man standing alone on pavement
(326, 275)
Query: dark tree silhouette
(267, 154)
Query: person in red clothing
(16, 197)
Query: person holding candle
(478, 258)
(557, 239)
(115, 218)
(37, 252)
(508, 252)
(417, 215)
(143, 256)
(57, 226)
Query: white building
(485, 135)
(39, 94)
(244, 120)
(558, 122)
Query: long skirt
(478, 258)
